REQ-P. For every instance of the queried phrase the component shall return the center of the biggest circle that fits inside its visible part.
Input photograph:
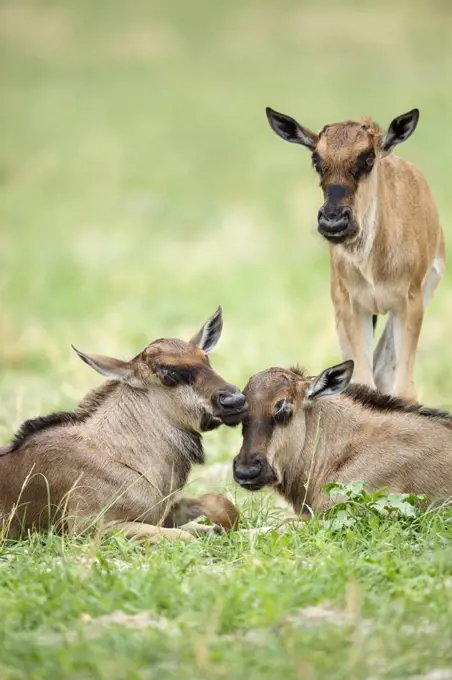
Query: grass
(373, 602)
(141, 186)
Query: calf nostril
(244, 473)
(335, 219)
(347, 214)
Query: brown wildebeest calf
(386, 244)
(325, 429)
(127, 448)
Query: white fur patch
(432, 280)
(368, 223)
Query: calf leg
(197, 529)
(407, 328)
(355, 332)
(148, 532)
(385, 358)
(183, 511)
(354, 326)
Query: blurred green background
(141, 185)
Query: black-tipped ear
(400, 129)
(332, 381)
(288, 129)
(207, 337)
(110, 368)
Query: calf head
(345, 157)
(178, 376)
(274, 428)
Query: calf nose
(334, 220)
(231, 401)
(247, 472)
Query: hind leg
(407, 327)
(385, 359)
(385, 356)
(183, 512)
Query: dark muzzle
(230, 406)
(251, 474)
(334, 223)
(229, 401)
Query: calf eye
(364, 164)
(283, 411)
(317, 162)
(170, 378)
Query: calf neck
(128, 447)
(301, 433)
(387, 249)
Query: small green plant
(352, 503)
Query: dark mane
(89, 404)
(376, 401)
(298, 370)
(193, 450)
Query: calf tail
(374, 321)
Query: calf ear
(332, 381)
(209, 334)
(112, 369)
(400, 129)
(288, 129)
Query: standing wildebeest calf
(325, 429)
(127, 448)
(386, 244)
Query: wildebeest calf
(331, 431)
(127, 448)
(386, 243)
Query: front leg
(355, 330)
(197, 529)
(407, 327)
(148, 532)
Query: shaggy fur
(127, 448)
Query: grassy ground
(141, 186)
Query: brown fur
(216, 507)
(128, 447)
(391, 256)
(355, 434)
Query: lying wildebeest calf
(305, 432)
(127, 448)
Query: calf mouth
(341, 235)
(230, 406)
(252, 485)
(230, 418)
(250, 480)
